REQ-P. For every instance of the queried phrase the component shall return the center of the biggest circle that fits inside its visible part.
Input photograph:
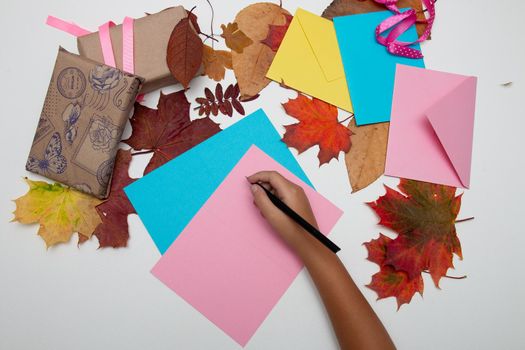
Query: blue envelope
(369, 68)
(167, 198)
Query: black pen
(302, 222)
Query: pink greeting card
(432, 126)
(228, 263)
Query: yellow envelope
(308, 60)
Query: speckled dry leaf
(235, 38)
(216, 62)
(59, 210)
(352, 7)
(365, 161)
(250, 67)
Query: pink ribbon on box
(128, 60)
(400, 22)
(68, 27)
(106, 45)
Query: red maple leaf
(318, 125)
(167, 131)
(388, 282)
(113, 231)
(276, 33)
(423, 215)
(391, 283)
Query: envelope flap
(452, 118)
(320, 34)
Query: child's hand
(291, 194)
(355, 323)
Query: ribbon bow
(400, 22)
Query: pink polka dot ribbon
(399, 23)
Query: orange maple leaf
(318, 125)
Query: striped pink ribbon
(399, 23)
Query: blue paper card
(167, 198)
(369, 68)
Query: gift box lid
(151, 36)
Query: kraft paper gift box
(151, 35)
(85, 111)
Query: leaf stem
(466, 219)
(451, 277)
(209, 37)
(347, 118)
(142, 152)
(211, 24)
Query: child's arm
(355, 323)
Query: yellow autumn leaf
(234, 37)
(59, 210)
(216, 62)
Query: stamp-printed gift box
(84, 114)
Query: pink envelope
(228, 263)
(431, 126)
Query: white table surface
(69, 298)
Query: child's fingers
(262, 201)
(276, 180)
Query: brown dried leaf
(216, 62)
(251, 65)
(168, 130)
(234, 37)
(352, 7)
(184, 53)
(365, 161)
(114, 230)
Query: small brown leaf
(228, 108)
(216, 62)
(214, 109)
(209, 95)
(234, 37)
(184, 54)
(218, 92)
(229, 91)
(365, 161)
(238, 107)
